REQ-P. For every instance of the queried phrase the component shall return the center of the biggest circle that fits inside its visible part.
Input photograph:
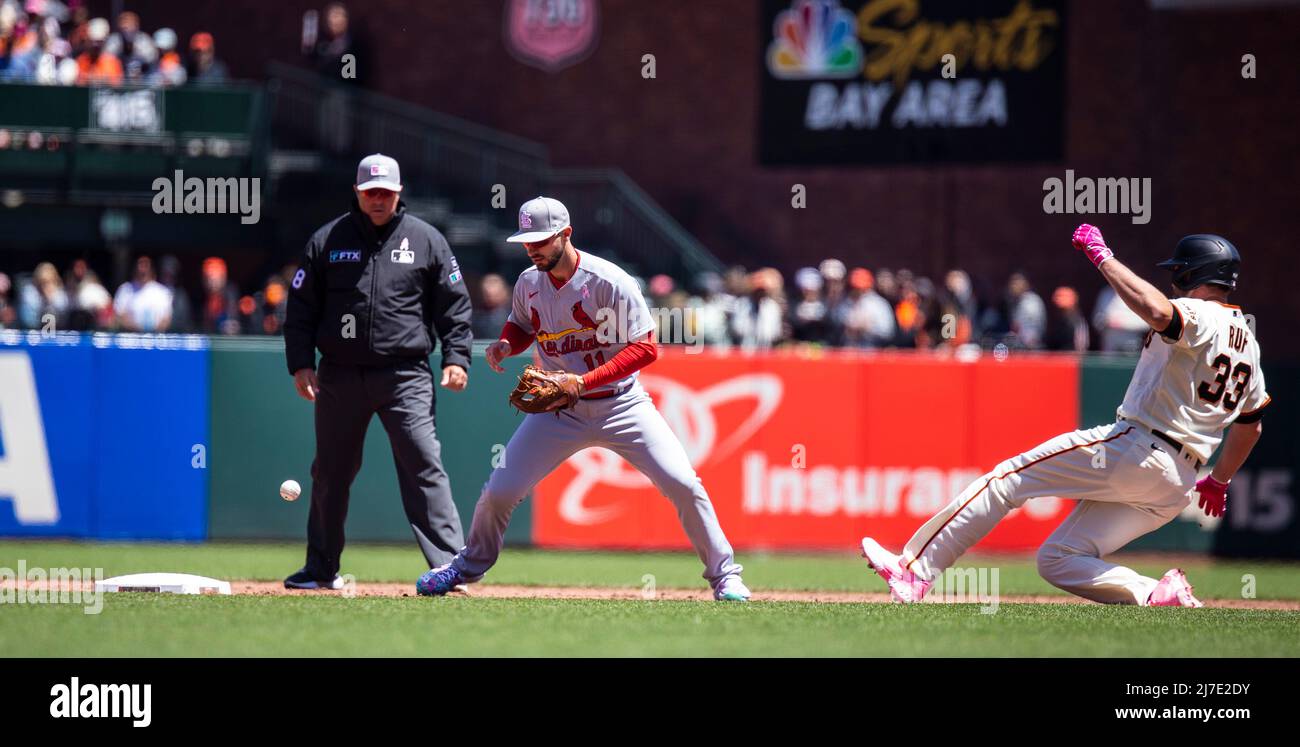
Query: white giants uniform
(579, 327)
(1195, 386)
(1130, 477)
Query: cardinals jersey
(585, 322)
(1204, 377)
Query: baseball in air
(290, 490)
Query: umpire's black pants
(403, 396)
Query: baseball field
(539, 603)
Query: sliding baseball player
(1198, 375)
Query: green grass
(139, 625)
(146, 625)
(402, 563)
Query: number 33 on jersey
(1199, 377)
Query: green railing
(436, 150)
(630, 223)
(73, 145)
(113, 142)
(441, 153)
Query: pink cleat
(904, 586)
(1173, 591)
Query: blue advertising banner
(103, 436)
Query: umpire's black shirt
(399, 283)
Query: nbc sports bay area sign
(911, 81)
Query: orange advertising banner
(802, 452)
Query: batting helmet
(1204, 258)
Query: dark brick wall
(1150, 94)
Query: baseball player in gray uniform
(557, 303)
(1198, 375)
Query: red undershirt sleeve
(634, 357)
(519, 339)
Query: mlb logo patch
(345, 255)
(403, 255)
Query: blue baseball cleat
(438, 581)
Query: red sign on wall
(815, 453)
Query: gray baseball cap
(379, 172)
(540, 218)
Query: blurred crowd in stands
(328, 39)
(829, 305)
(152, 300)
(837, 306)
(48, 42)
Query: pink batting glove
(1088, 240)
(1214, 495)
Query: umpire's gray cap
(378, 171)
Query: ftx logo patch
(345, 255)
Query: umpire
(375, 287)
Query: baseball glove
(545, 391)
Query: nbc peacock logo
(814, 39)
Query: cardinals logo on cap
(525, 220)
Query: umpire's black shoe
(304, 580)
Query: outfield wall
(141, 437)
(803, 452)
(103, 436)
(262, 434)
